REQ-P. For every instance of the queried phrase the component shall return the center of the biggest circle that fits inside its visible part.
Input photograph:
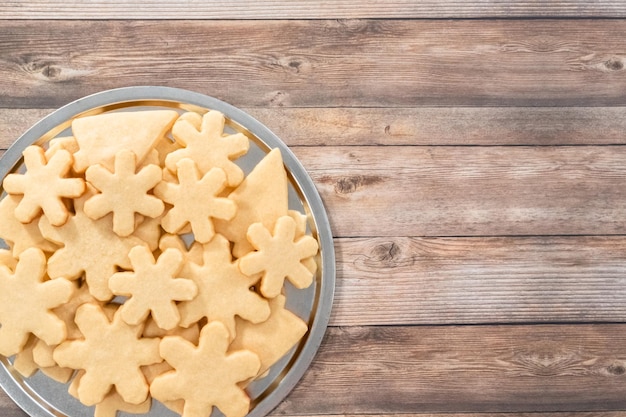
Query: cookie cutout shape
(111, 355)
(153, 287)
(44, 185)
(124, 192)
(207, 375)
(279, 256)
(208, 146)
(195, 201)
(102, 136)
(67, 143)
(223, 291)
(17, 235)
(273, 338)
(261, 197)
(90, 247)
(23, 361)
(26, 301)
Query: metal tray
(40, 396)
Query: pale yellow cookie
(261, 197)
(208, 146)
(91, 248)
(223, 291)
(194, 200)
(17, 235)
(43, 186)
(154, 287)
(124, 192)
(279, 256)
(206, 376)
(193, 254)
(102, 136)
(26, 300)
(23, 362)
(273, 338)
(67, 143)
(111, 353)
(112, 402)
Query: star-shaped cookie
(207, 375)
(195, 200)
(26, 300)
(154, 287)
(279, 256)
(204, 141)
(124, 192)
(43, 185)
(111, 354)
(223, 291)
(17, 235)
(90, 247)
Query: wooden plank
(466, 369)
(412, 126)
(470, 191)
(476, 371)
(349, 63)
(307, 9)
(409, 281)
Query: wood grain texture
(470, 191)
(464, 369)
(423, 126)
(307, 9)
(327, 63)
(409, 281)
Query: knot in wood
(347, 185)
(386, 252)
(614, 64)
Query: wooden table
(470, 154)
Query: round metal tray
(40, 396)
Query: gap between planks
(308, 9)
(415, 126)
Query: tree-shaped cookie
(208, 146)
(223, 291)
(272, 338)
(279, 256)
(26, 301)
(111, 354)
(44, 185)
(195, 200)
(207, 375)
(124, 192)
(20, 236)
(90, 247)
(262, 197)
(153, 287)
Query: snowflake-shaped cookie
(111, 354)
(207, 145)
(195, 200)
(153, 287)
(279, 256)
(90, 247)
(44, 185)
(20, 236)
(207, 375)
(223, 291)
(124, 192)
(26, 301)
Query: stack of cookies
(143, 263)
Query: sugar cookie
(207, 375)
(43, 186)
(26, 301)
(124, 192)
(279, 256)
(153, 287)
(111, 354)
(208, 146)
